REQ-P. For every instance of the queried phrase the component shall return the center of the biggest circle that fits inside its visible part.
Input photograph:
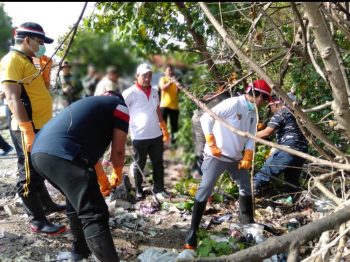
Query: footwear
(163, 193)
(6, 152)
(80, 249)
(48, 205)
(102, 247)
(197, 213)
(259, 188)
(140, 196)
(246, 209)
(39, 222)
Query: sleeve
(162, 81)
(276, 121)
(223, 110)
(126, 95)
(11, 71)
(121, 117)
(249, 144)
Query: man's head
(66, 67)
(275, 104)
(144, 75)
(261, 90)
(31, 38)
(112, 74)
(91, 70)
(169, 71)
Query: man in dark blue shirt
(65, 152)
(288, 133)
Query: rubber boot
(138, 185)
(197, 213)
(39, 222)
(48, 205)
(80, 249)
(246, 209)
(102, 247)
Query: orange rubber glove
(261, 126)
(102, 179)
(212, 145)
(28, 134)
(116, 177)
(246, 162)
(163, 126)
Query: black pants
(29, 180)
(173, 114)
(3, 144)
(153, 148)
(78, 183)
(17, 143)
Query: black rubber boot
(48, 205)
(102, 247)
(246, 209)
(197, 213)
(138, 185)
(39, 222)
(80, 249)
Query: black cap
(32, 29)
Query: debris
(221, 219)
(157, 255)
(187, 254)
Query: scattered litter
(221, 219)
(286, 201)
(187, 254)
(157, 255)
(65, 255)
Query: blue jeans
(280, 162)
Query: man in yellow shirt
(169, 104)
(31, 106)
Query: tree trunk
(332, 63)
(199, 40)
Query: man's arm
(265, 132)
(118, 147)
(13, 94)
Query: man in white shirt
(108, 83)
(147, 128)
(220, 141)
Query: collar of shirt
(146, 90)
(21, 53)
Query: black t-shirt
(288, 132)
(83, 129)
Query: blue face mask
(41, 51)
(250, 105)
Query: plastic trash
(221, 219)
(254, 232)
(187, 254)
(157, 255)
(293, 224)
(286, 201)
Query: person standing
(220, 142)
(90, 80)
(169, 104)
(30, 104)
(288, 133)
(109, 82)
(67, 150)
(148, 130)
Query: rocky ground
(136, 228)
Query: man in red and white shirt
(147, 128)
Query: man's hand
(261, 126)
(164, 128)
(116, 177)
(102, 179)
(28, 134)
(246, 162)
(210, 139)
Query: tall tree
(5, 30)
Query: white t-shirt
(235, 112)
(144, 121)
(105, 85)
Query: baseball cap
(32, 29)
(274, 100)
(261, 86)
(143, 69)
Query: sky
(54, 17)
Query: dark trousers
(16, 142)
(78, 183)
(280, 162)
(3, 144)
(173, 114)
(29, 180)
(153, 148)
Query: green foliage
(5, 31)
(210, 248)
(187, 205)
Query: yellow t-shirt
(169, 96)
(16, 66)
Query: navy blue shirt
(288, 132)
(83, 129)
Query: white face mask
(40, 52)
